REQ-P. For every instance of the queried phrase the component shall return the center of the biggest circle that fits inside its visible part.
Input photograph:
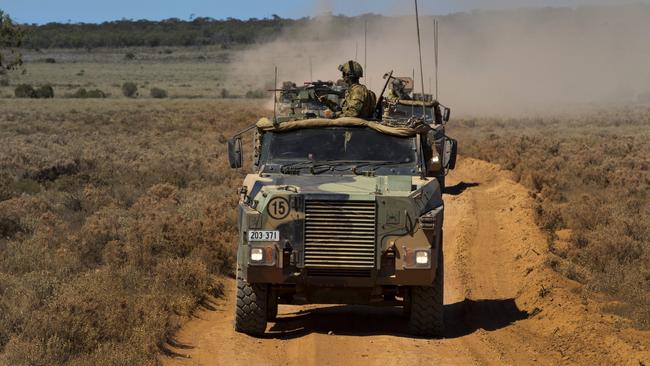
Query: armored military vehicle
(343, 211)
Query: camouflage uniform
(358, 102)
(397, 91)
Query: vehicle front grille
(338, 272)
(339, 235)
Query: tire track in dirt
(495, 309)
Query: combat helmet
(351, 69)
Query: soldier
(359, 101)
(397, 90)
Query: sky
(93, 11)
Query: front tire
(272, 307)
(426, 306)
(441, 182)
(252, 307)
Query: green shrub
(28, 91)
(25, 91)
(158, 93)
(45, 92)
(4, 81)
(129, 56)
(50, 60)
(225, 93)
(82, 93)
(96, 93)
(130, 89)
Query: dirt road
(503, 305)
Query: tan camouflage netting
(265, 124)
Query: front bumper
(282, 276)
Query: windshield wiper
(315, 166)
(296, 167)
(373, 166)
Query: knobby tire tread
(427, 306)
(251, 308)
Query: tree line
(146, 33)
(11, 39)
(201, 31)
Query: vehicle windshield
(407, 111)
(353, 144)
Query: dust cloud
(491, 61)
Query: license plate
(263, 235)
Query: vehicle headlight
(262, 255)
(417, 259)
(257, 254)
(422, 257)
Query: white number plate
(263, 235)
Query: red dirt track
(503, 305)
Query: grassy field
(590, 176)
(183, 72)
(117, 220)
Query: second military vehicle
(343, 211)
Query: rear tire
(251, 311)
(426, 306)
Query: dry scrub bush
(24, 91)
(130, 89)
(28, 91)
(45, 91)
(131, 227)
(589, 175)
(158, 93)
(82, 93)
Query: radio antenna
(311, 71)
(417, 25)
(435, 51)
(413, 79)
(275, 97)
(356, 51)
(365, 47)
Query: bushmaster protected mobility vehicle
(343, 211)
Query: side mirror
(450, 154)
(235, 153)
(446, 113)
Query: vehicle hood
(410, 193)
(358, 187)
